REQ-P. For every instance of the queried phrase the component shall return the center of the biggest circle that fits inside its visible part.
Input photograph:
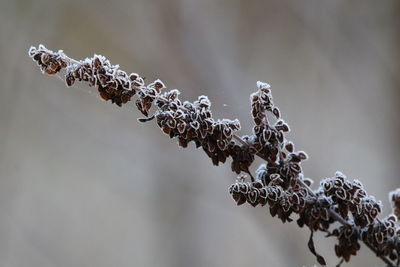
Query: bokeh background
(82, 183)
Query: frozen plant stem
(279, 182)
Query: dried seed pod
(394, 198)
(276, 112)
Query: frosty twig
(279, 182)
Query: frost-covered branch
(279, 182)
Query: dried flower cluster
(48, 61)
(279, 182)
(187, 121)
(281, 202)
(351, 197)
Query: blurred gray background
(82, 183)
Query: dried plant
(279, 182)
